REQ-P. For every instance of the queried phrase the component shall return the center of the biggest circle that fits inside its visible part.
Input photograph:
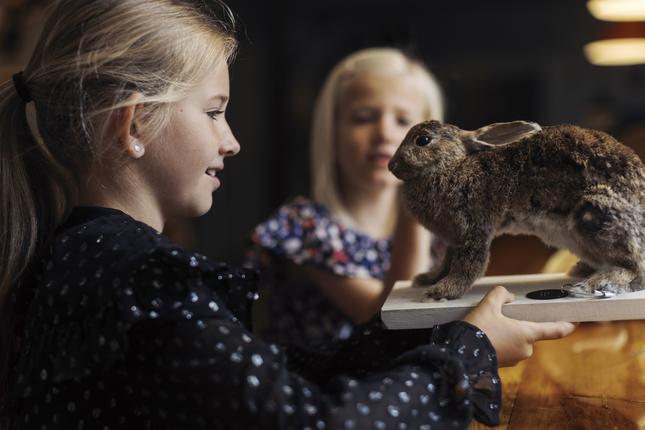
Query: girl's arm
(196, 366)
(214, 373)
(360, 298)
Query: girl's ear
(126, 127)
(501, 133)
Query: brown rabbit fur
(572, 187)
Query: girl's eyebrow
(220, 98)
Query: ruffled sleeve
(303, 232)
(463, 363)
(474, 368)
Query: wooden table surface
(593, 379)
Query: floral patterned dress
(303, 232)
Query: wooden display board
(405, 308)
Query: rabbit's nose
(393, 166)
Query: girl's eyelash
(214, 113)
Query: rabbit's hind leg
(581, 270)
(615, 280)
(607, 228)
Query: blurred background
(498, 60)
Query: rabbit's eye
(422, 140)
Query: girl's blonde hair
(91, 57)
(324, 170)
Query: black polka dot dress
(125, 330)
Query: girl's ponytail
(21, 209)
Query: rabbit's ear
(501, 133)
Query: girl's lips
(215, 179)
(380, 160)
(213, 175)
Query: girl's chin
(200, 208)
(384, 179)
(382, 184)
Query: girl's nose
(230, 146)
(386, 129)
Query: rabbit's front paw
(444, 289)
(424, 280)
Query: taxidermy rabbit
(572, 187)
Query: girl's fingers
(497, 297)
(551, 330)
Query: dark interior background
(497, 60)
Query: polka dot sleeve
(217, 374)
(198, 367)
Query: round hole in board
(549, 294)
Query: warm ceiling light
(617, 10)
(616, 52)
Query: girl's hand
(513, 339)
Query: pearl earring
(137, 147)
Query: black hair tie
(21, 88)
